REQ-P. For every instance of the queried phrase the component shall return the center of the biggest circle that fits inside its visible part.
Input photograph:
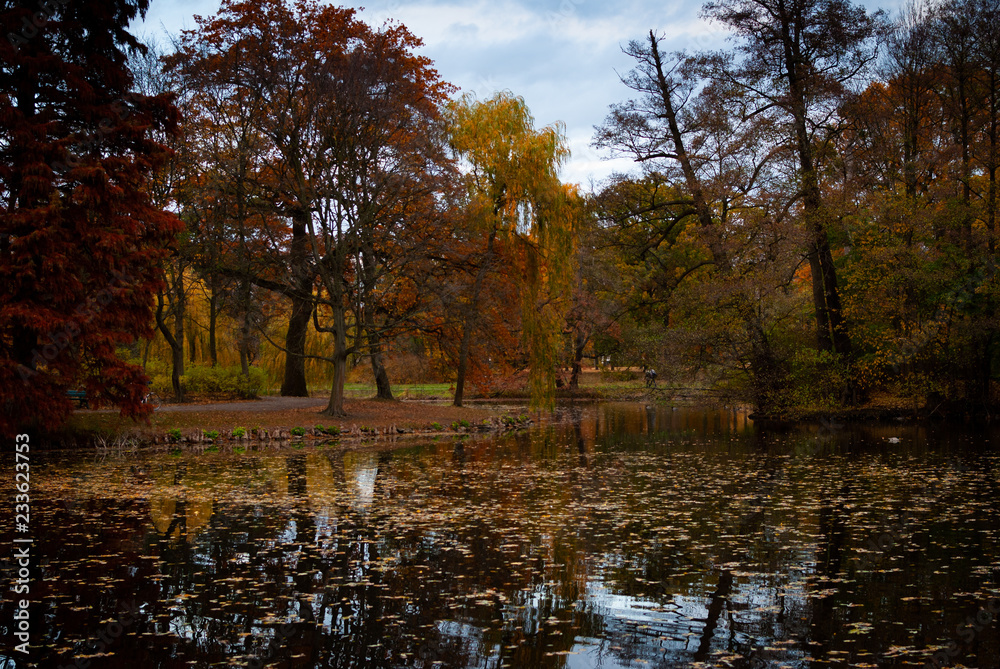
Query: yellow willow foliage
(515, 195)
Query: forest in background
(287, 194)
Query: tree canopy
(810, 221)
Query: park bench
(78, 396)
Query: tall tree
(515, 198)
(243, 70)
(348, 118)
(380, 168)
(171, 300)
(986, 56)
(80, 241)
(687, 129)
(798, 58)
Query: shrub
(437, 426)
(239, 432)
(298, 431)
(175, 434)
(225, 381)
(212, 434)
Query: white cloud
(562, 56)
(474, 25)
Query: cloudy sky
(562, 56)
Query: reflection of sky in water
(361, 469)
(364, 482)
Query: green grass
(402, 390)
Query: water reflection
(613, 536)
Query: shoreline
(274, 419)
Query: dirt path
(288, 412)
(262, 405)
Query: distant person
(650, 378)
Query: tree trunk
(178, 345)
(335, 407)
(579, 344)
(382, 386)
(175, 340)
(463, 361)
(470, 316)
(245, 331)
(213, 319)
(831, 331)
(177, 371)
(192, 347)
(294, 383)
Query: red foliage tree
(80, 243)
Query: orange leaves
(520, 217)
(78, 164)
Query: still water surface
(615, 535)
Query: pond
(612, 535)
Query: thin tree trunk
(335, 407)
(580, 344)
(470, 318)
(213, 319)
(245, 326)
(176, 346)
(192, 347)
(383, 389)
(463, 361)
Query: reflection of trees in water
(337, 568)
(508, 552)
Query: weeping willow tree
(517, 211)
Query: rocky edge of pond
(259, 435)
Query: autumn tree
(380, 167)
(797, 58)
(702, 210)
(515, 200)
(170, 316)
(243, 69)
(919, 280)
(80, 241)
(347, 122)
(236, 230)
(595, 302)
